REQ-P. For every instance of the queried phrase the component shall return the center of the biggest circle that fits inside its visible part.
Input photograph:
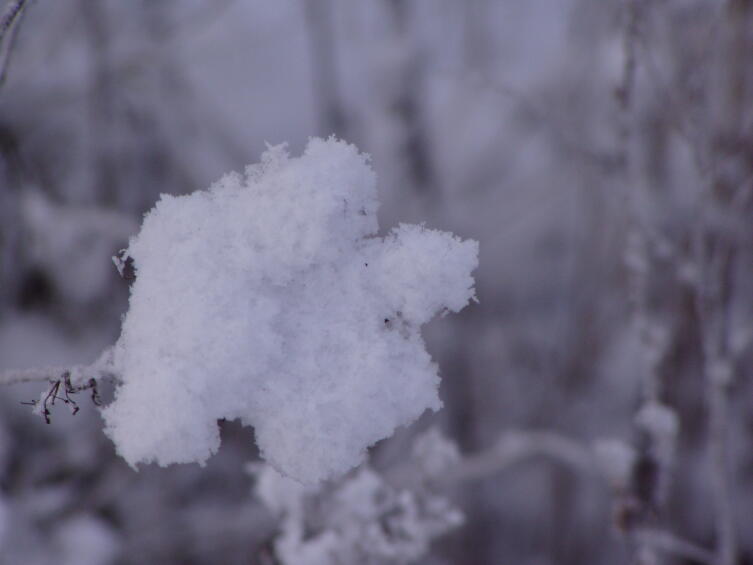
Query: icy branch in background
(516, 446)
(269, 299)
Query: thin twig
(102, 368)
(43, 405)
(12, 11)
(9, 23)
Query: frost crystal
(268, 298)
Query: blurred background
(601, 152)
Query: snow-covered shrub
(364, 518)
(270, 299)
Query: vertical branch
(406, 105)
(476, 48)
(714, 301)
(101, 102)
(718, 250)
(324, 68)
(655, 424)
(12, 173)
(638, 257)
(624, 91)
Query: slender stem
(12, 11)
(719, 244)
(9, 23)
(102, 368)
(722, 474)
(18, 376)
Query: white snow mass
(269, 298)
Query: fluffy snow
(270, 299)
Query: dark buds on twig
(62, 389)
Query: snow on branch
(268, 298)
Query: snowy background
(597, 400)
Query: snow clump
(270, 299)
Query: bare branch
(9, 22)
(12, 11)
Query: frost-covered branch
(102, 368)
(639, 502)
(719, 247)
(33, 375)
(514, 447)
(64, 383)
